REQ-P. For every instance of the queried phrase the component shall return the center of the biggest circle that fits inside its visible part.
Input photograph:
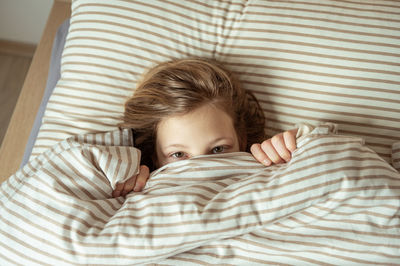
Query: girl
(189, 107)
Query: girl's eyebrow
(221, 138)
(177, 145)
(211, 143)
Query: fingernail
(266, 162)
(136, 188)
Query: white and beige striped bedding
(306, 60)
(335, 203)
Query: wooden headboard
(22, 120)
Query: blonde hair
(178, 87)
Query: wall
(23, 20)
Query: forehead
(206, 121)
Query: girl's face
(206, 130)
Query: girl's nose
(199, 151)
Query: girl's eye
(178, 155)
(218, 149)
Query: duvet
(336, 202)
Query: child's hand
(135, 183)
(277, 149)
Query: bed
(14, 144)
(333, 64)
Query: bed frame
(13, 146)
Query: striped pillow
(312, 61)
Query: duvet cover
(336, 202)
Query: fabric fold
(335, 192)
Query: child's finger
(258, 153)
(270, 151)
(290, 139)
(117, 191)
(278, 143)
(142, 178)
(128, 186)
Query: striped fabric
(336, 202)
(305, 60)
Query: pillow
(305, 61)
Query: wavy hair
(178, 87)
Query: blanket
(336, 202)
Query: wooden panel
(13, 70)
(13, 146)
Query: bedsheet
(336, 202)
(52, 79)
